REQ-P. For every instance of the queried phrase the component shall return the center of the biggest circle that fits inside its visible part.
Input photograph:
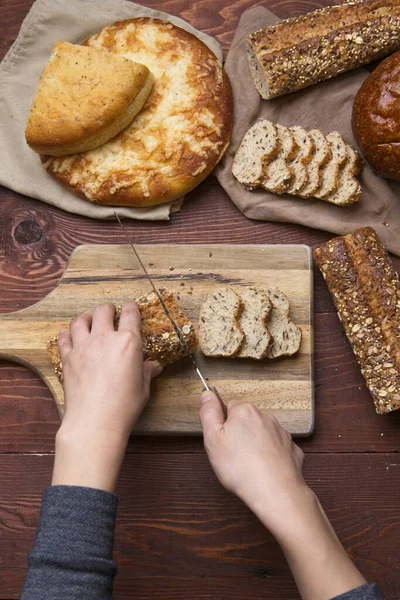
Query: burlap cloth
(327, 106)
(70, 21)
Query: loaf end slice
(286, 335)
(219, 331)
(253, 322)
(259, 144)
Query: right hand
(255, 458)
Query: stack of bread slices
(306, 164)
(254, 324)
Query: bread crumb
(171, 268)
(182, 283)
(151, 264)
(386, 224)
(339, 436)
(382, 434)
(210, 254)
(190, 269)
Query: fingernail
(206, 396)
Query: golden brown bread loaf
(299, 52)
(179, 136)
(376, 118)
(85, 97)
(366, 291)
(160, 341)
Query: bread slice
(286, 335)
(259, 143)
(253, 322)
(331, 172)
(322, 154)
(160, 341)
(303, 157)
(349, 188)
(85, 97)
(219, 331)
(278, 173)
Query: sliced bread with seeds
(260, 142)
(278, 173)
(303, 157)
(322, 154)
(219, 331)
(286, 335)
(331, 172)
(253, 322)
(349, 188)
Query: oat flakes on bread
(285, 334)
(253, 322)
(176, 140)
(219, 331)
(85, 97)
(160, 341)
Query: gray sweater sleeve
(72, 554)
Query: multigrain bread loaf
(219, 331)
(299, 52)
(376, 118)
(253, 322)
(160, 341)
(176, 140)
(85, 97)
(366, 291)
(285, 334)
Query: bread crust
(366, 292)
(176, 140)
(376, 118)
(299, 52)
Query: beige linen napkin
(70, 21)
(327, 106)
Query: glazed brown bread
(366, 291)
(376, 118)
(85, 97)
(299, 52)
(178, 137)
(160, 342)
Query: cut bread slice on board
(286, 335)
(219, 330)
(322, 154)
(259, 143)
(253, 322)
(349, 188)
(278, 174)
(300, 162)
(331, 172)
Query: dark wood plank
(180, 535)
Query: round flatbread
(179, 136)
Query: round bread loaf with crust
(179, 136)
(376, 118)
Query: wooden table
(180, 536)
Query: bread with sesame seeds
(160, 341)
(366, 291)
(302, 51)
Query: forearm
(72, 554)
(320, 565)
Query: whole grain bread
(349, 188)
(219, 331)
(253, 322)
(259, 144)
(300, 162)
(286, 335)
(322, 154)
(330, 175)
(160, 341)
(278, 173)
(366, 291)
(299, 52)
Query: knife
(207, 387)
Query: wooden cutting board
(102, 273)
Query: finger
(103, 318)
(80, 327)
(211, 413)
(151, 369)
(64, 343)
(231, 405)
(130, 319)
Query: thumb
(211, 414)
(151, 369)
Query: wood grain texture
(98, 273)
(180, 535)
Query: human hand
(255, 458)
(106, 386)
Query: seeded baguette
(366, 291)
(299, 52)
(160, 342)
